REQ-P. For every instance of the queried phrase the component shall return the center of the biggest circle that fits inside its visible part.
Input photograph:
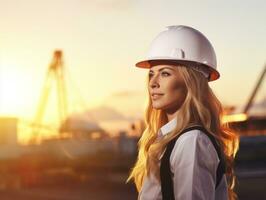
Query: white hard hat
(184, 45)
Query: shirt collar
(168, 127)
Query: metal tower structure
(246, 123)
(55, 76)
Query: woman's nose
(154, 82)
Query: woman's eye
(150, 75)
(165, 74)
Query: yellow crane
(54, 78)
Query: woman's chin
(158, 106)
(169, 108)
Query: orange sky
(102, 40)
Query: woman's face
(167, 88)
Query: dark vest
(165, 172)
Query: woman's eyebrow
(163, 69)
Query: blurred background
(72, 102)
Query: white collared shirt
(193, 162)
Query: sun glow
(12, 92)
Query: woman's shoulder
(196, 135)
(194, 143)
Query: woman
(185, 151)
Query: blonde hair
(201, 106)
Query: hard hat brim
(214, 74)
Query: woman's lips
(156, 96)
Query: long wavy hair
(200, 106)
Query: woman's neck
(171, 114)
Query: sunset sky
(103, 39)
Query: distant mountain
(80, 122)
(130, 104)
(117, 112)
(104, 113)
(99, 118)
